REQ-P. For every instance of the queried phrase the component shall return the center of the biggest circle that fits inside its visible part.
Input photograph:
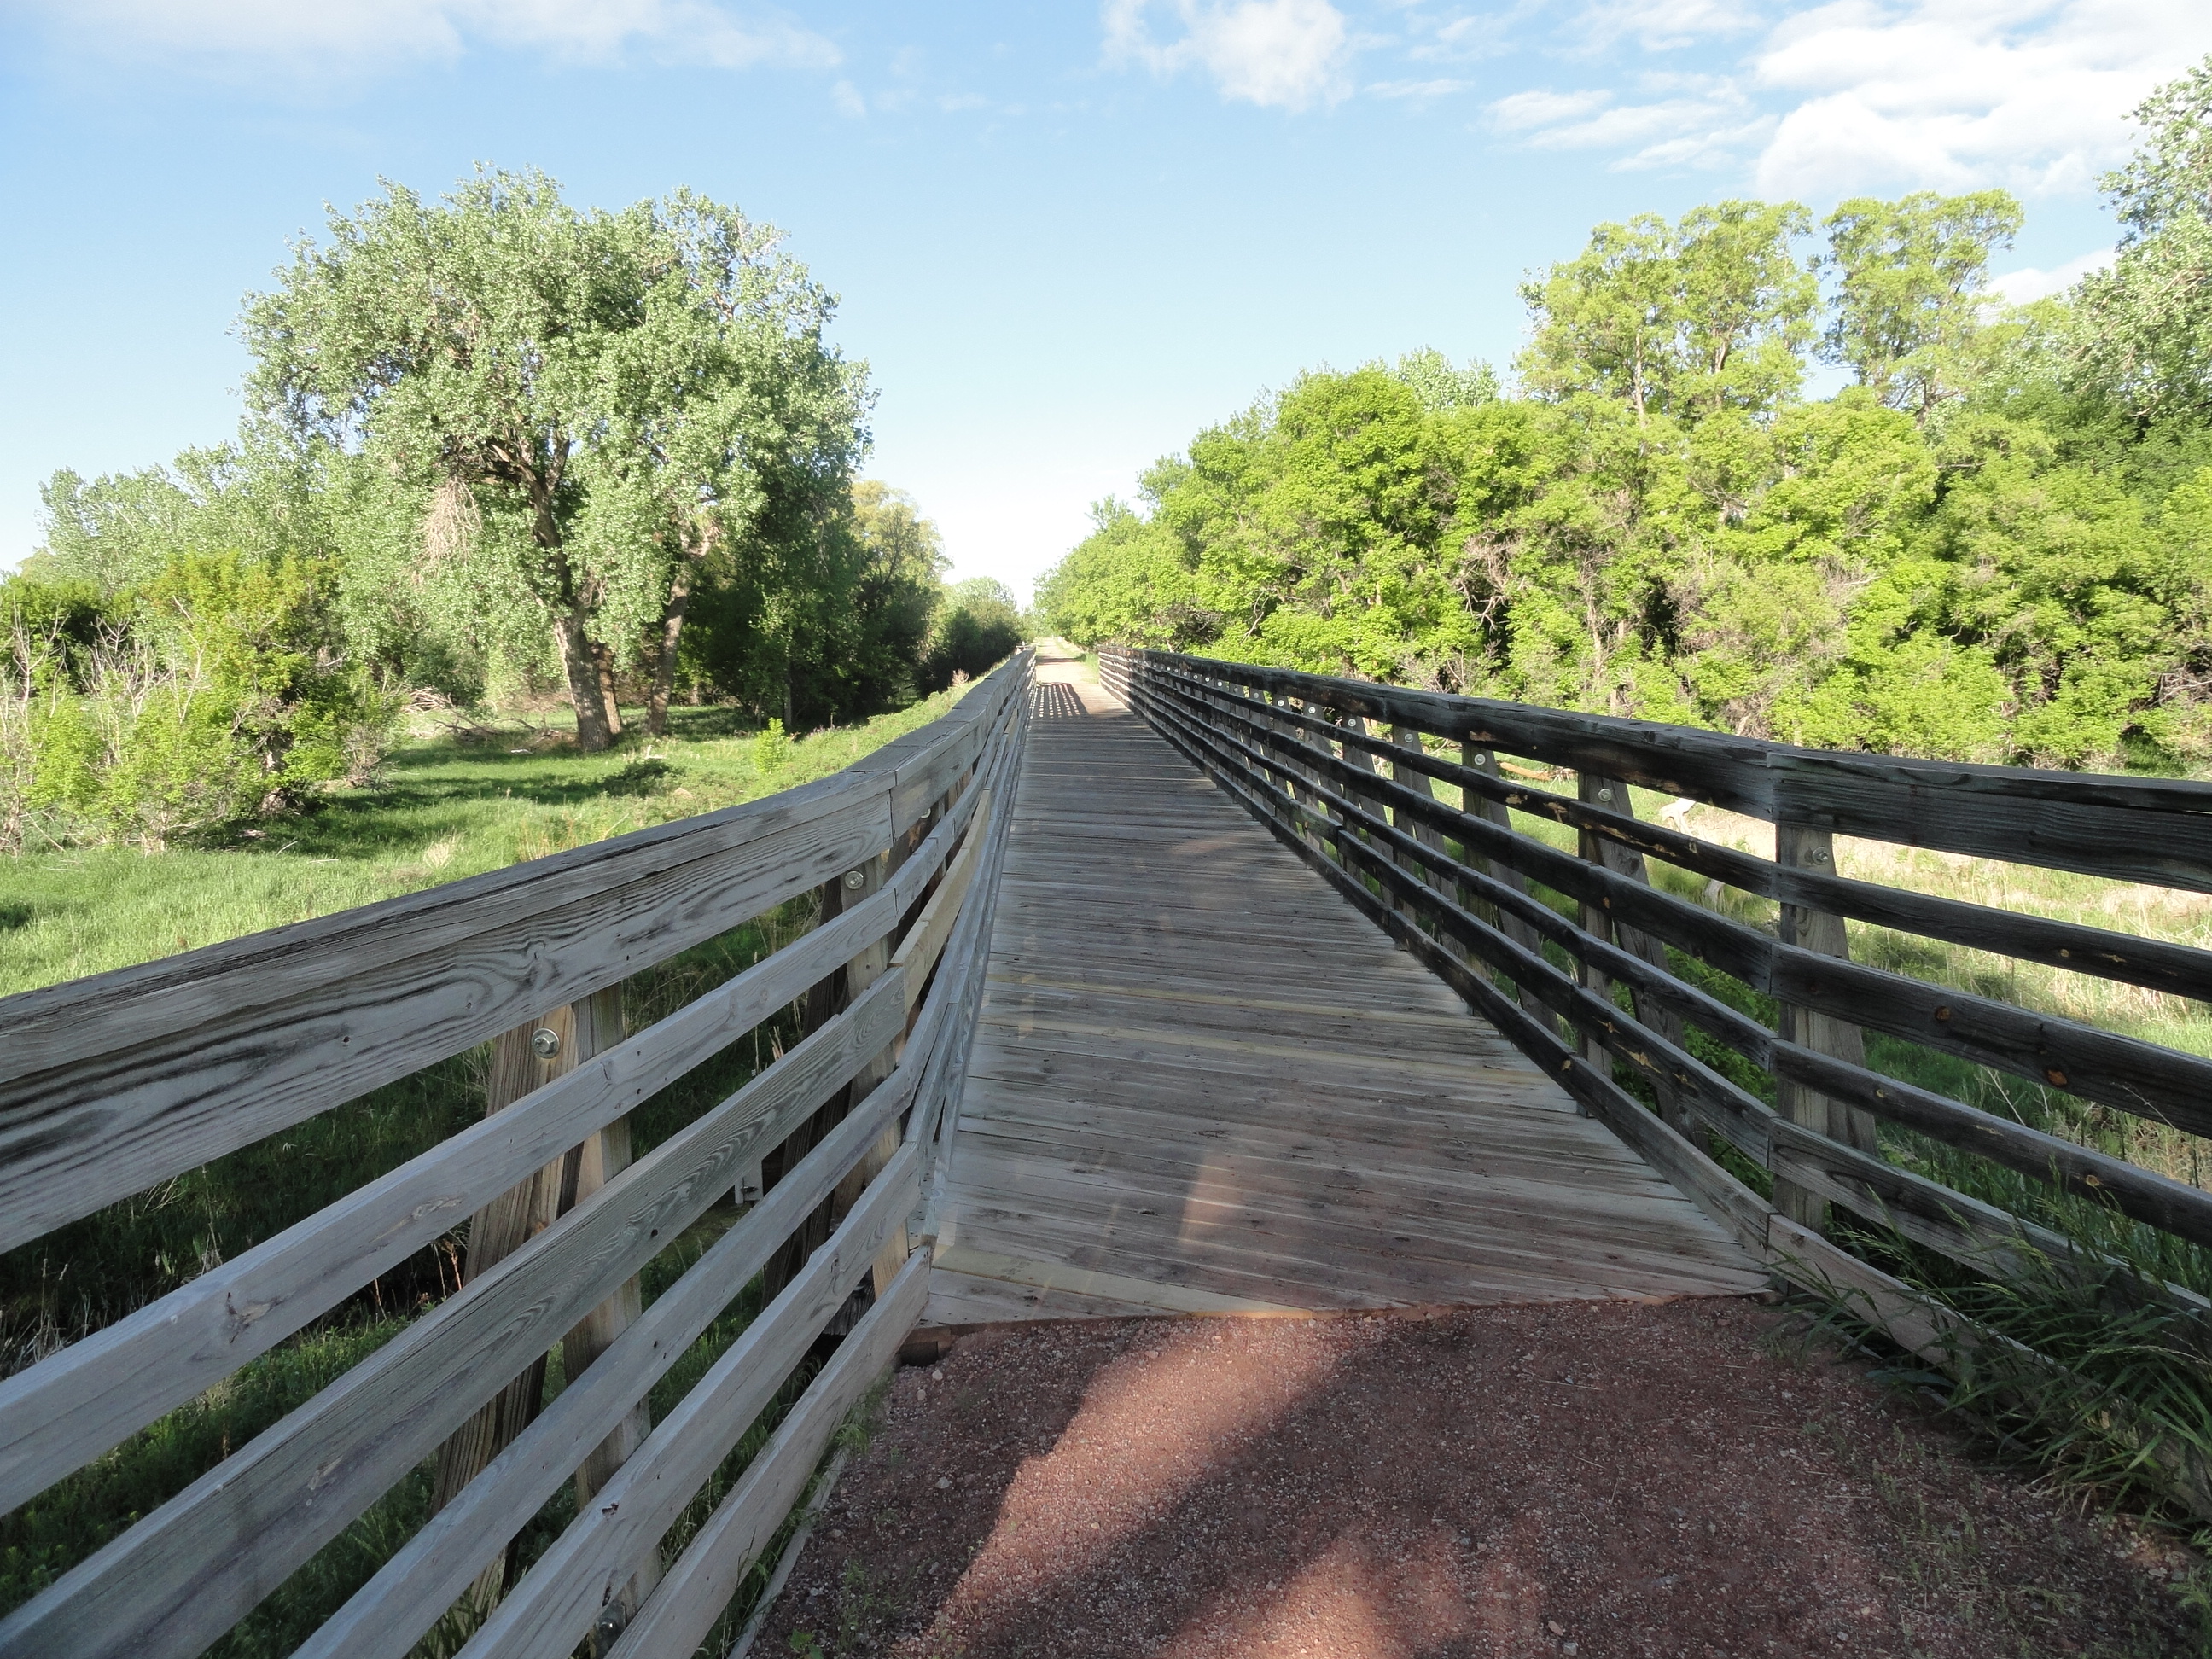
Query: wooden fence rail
(1454, 883)
(111, 1085)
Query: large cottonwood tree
(595, 396)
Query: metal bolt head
(545, 1044)
(1820, 856)
(1480, 761)
(854, 880)
(1606, 793)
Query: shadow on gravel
(1591, 1480)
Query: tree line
(1993, 543)
(494, 445)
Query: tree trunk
(604, 661)
(580, 664)
(664, 669)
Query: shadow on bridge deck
(1202, 1083)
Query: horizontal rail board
(112, 1084)
(553, 1607)
(200, 1562)
(1748, 1123)
(61, 1414)
(2128, 828)
(2146, 1079)
(430, 1571)
(2156, 965)
(678, 1616)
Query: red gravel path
(1590, 1480)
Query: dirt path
(1590, 1479)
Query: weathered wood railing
(1344, 772)
(113, 1084)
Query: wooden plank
(564, 1591)
(963, 1299)
(704, 1578)
(111, 1083)
(1062, 1278)
(1151, 969)
(195, 1566)
(1727, 1200)
(918, 951)
(579, 1031)
(75, 1405)
(318, 1013)
(2126, 827)
(2171, 1205)
(1798, 846)
(2135, 1076)
(384, 1618)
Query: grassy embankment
(451, 804)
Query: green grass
(448, 808)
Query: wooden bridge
(1184, 991)
(1203, 1082)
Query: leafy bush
(978, 626)
(212, 694)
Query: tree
(592, 397)
(1691, 319)
(979, 623)
(2144, 338)
(1912, 281)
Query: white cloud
(1709, 125)
(2018, 287)
(1283, 52)
(1859, 95)
(357, 35)
(1418, 89)
(1953, 94)
(1539, 111)
(1663, 25)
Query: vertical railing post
(1476, 758)
(1804, 846)
(1407, 737)
(524, 1060)
(1613, 795)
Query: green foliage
(595, 404)
(1911, 275)
(979, 623)
(1695, 318)
(2144, 336)
(1962, 555)
(206, 696)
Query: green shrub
(212, 695)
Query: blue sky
(1066, 237)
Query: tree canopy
(1993, 544)
(594, 401)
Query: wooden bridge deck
(1202, 1082)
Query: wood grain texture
(580, 1030)
(1739, 1212)
(706, 1575)
(111, 1083)
(74, 1406)
(384, 1618)
(188, 1571)
(2135, 1076)
(563, 1592)
(1157, 963)
(1837, 1172)
(2130, 828)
